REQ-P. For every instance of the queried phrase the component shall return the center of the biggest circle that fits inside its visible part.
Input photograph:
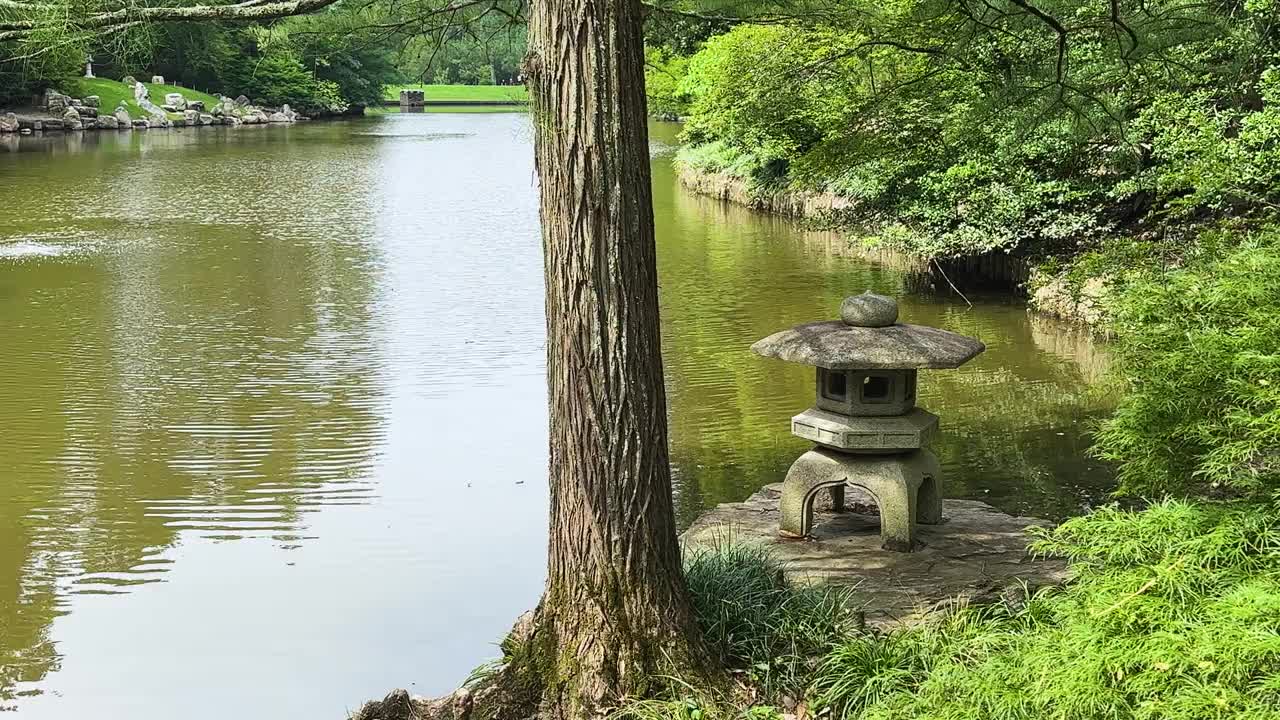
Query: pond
(265, 455)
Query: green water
(272, 404)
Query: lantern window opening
(836, 386)
(876, 389)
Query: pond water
(272, 424)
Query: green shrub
(1173, 612)
(1197, 349)
(663, 72)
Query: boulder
(191, 117)
(122, 116)
(231, 120)
(197, 105)
(169, 108)
(92, 101)
(71, 120)
(206, 119)
(158, 122)
(55, 103)
(108, 122)
(50, 125)
(157, 79)
(140, 124)
(75, 103)
(278, 117)
(129, 80)
(8, 123)
(176, 100)
(288, 112)
(242, 101)
(87, 112)
(140, 93)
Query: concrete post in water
(412, 98)
(865, 424)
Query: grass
(1173, 613)
(113, 92)
(462, 93)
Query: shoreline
(1000, 272)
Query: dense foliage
(1198, 348)
(1174, 612)
(961, 130)
(309, 62)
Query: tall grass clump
(762, 625)
(1173, 613)
(767, 632)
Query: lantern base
(906, 489)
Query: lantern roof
(839, 345)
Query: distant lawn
(111, 92)
(462, 93)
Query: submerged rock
(977, 553)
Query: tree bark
(615, 615)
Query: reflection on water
(278, 392)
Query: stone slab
(866, 434)
(833, 344)
(977, 553)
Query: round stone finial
(869, 310)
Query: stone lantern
(866, 427)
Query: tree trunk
(615, 614)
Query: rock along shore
(62, 113)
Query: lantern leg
(810, 473)
(837, 498)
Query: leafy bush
(959, 139)
(1174, 612)
(663, 72)
(1198, 349)
(21, 80)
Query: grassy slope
(113, 92)
(456, 93)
